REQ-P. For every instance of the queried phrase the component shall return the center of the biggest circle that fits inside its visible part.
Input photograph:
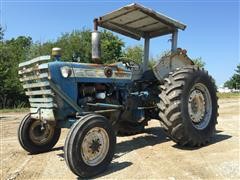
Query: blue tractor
(98, 102)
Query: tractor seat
(148, 75)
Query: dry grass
(228, 95)
(14, 110)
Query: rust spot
(121, 74)
(108, 71)
(96, 65)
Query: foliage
(234, 82)
(165, 53)
(152, 62)
(1, 33)
(12, 52)
(111, 47)
(77, 45)
(134, 53)
(199, 62)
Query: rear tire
(89, 146)
(188, 106)
(34, 139)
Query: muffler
(96, 46)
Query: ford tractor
(98, 102)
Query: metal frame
(147, 47)
(146, 53)
(174, 40)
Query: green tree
(152, 62)
(134, 53)
(40, 49)
(234, 82)
(75, 43)
(111, 47)
(1, 33)
(164, 53)
(12, 52)
(199, 62)
(78, 44)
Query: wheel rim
(95, 146)
(39, 133)
(200, 106)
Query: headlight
(66, 71)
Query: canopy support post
(174, 40)
(146, 53)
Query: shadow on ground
(215, 139)
(151, 137)
(113, 167)
(53, 149)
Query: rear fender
(171, 62)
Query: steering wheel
(129, 63)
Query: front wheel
(89, 146)
(188, 106)
(35, 136)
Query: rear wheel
(35, 136)
(89, 146)
(188, 106)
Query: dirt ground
(150, 155)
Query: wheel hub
(200, 106)
(39, 133)
(197, 106)
(95, 146)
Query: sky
(212, 31)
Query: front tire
(36, 137)
(89, 146)
(188, 106)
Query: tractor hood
(43, 79)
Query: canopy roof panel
(138, 22)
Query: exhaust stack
(96, 48)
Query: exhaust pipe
(96, 48)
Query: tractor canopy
(138, 22)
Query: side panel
(67, 85)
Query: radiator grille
(34, 76)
